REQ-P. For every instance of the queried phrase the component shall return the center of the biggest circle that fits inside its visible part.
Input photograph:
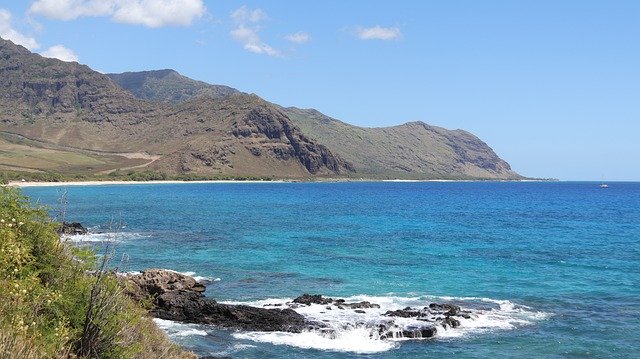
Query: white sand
(108, 183)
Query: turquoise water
(553, 268)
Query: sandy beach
(110, 183)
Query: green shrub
(57, 301)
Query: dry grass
(13, 346)
(30, 157)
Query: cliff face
(75, 108)
(267, 128)
(41, 86)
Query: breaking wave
(348, 330)
(175, 329)
(106, 237)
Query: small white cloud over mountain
(9, 33)
(61, 53)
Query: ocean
(548, 269)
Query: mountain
(168, 86)
(65, 117)
(413, 150)
(53, 108)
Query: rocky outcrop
(308, 299)
(442, 314)
(155, 282)
(72, 228)
(181, 298)
(193, 307)
(428, 318)
(275, 132)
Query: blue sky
(552, 86)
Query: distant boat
(602, 184)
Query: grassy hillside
(69, 105)
(414, 150)
(410, 151)
(57, 301)
(18, 153)
(168, 86)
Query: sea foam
(175, 329)
(350, 331)
(107, 237)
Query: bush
(58, 301)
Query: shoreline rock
(178, 297)
(181, 298)
(72, 228)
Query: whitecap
(356, 340)
(198, 278)
(358, 332)
(108, 237)
(239, 347)
(176, 329)
(206, 280)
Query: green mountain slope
(410, 151)
(168, 86)
(414, 150)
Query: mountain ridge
(69, 104)
(195, 127)
(413, 150)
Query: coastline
(110, 183)
(21, 184)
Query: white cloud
(299, 37)
(151, 13)
(61, 53)
(378, 33)
(243, 15)
(72, 9)
(247, 31)
(157, 13)
(245, 35)
(7, 32)
(251, 41)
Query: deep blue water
(557, 265)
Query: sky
(552, 86)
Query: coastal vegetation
(61, 301)
(137, 176)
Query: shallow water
(557, 265)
